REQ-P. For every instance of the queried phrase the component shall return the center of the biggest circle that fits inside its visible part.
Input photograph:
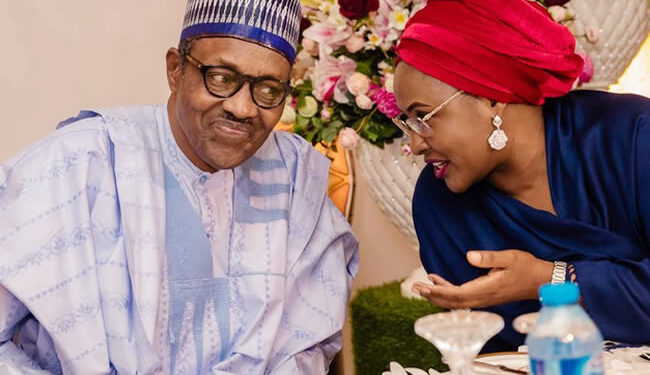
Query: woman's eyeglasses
(419, 125)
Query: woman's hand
(514, 275)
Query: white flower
(325, 6)
(310, 46)
(417, 6)
(398, 18)
(570, 14)
(304, 62)
(309, 108)
(349, 139)
(336, 18)
(558, 13)
(375, 40)
(288, 114)
(397, 369)
(363, 102)
(388, 84)
(357, 84)
(392, 35)
(384, 67)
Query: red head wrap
(506, 50)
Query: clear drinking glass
(459, 335)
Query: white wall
(62, 56)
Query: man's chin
(228, 162)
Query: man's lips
(234, 129)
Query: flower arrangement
(343, 74)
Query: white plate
(518, 361)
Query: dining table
(618, 359)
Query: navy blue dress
(598, 158)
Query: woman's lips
(439, 167)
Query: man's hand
(514, 275)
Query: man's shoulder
(133, 113)
(289, 142)
(90, 130)
(134, 126)
(88, 133)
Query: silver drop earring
(498, 138)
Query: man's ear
(174, 68)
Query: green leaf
(304, 88)
(301, 101)
(317, 122)
(364, 67)
(302, 121)
(329, 133)
(310, 136)
(337, 124)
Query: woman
(526, 183)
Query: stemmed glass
(459, 335)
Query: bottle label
(563, 366)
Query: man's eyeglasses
(224, 82)
(419, 125)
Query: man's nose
(241, 105)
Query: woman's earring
(498, 138)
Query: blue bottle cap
(559, 294)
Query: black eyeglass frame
(243, 78)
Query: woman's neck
(523, 172)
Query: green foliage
(382, 331)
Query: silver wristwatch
(559, 272)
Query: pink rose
(325, 114)
(592, 33)
(587, 69)
(386, 102)
(348, 138)
(363, 102)
(357, 84)
(354, 43)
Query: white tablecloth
(618, 361)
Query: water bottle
(564, 340)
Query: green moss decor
(382, 331)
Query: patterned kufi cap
(272, 23)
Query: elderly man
(179, 239)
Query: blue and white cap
(273, 23)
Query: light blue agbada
(118, 256)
